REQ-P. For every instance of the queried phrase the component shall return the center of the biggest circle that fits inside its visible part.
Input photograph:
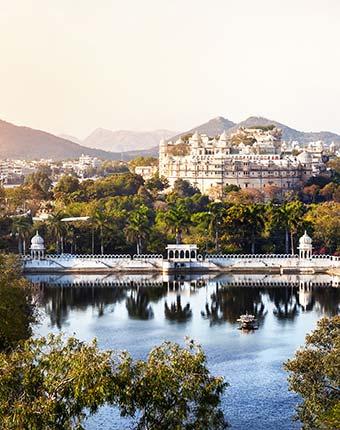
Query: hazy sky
(70, 66)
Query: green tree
(40, 184)
(137, 228)
(173, 390)
(176, 218)
(325, 221)
(294, 211)
(21, 226)
(16, 309)
(99, 222)
(183, 188)
(156, 184)
(314, 375)
(52, 384)
(66, 186)
(57, 229)
(47, 384)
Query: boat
(247, 322)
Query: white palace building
(249, 158)
(182, 258)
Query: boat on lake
(247, 322)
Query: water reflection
(136, 312)
(176, 312)
(220, 301)
(228, 303)
(138, 305)
(58, 301)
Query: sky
(71, 66)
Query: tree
(143, 161)
(293, 212)
(176, 218)
(325, 221)
(173, 390)
(99, 222)
(21, 226)
(16, 309)
(183, 188)
(48, 384)
(314, 375)
(156, 184)
(40, 184)
(58, 229)
(137, 228)
(66, 186)
(52, 384)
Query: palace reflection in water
(135, 313)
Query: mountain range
(217, 125)
(125, 140)
(28, 143)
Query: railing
(252, 256)
(96, 257)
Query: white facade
(183, 257)
(251, 158)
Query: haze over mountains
(27, 143)
(125, 140)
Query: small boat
(247, 322)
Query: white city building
(250, 158)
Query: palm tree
(255, 219)
(21, 226)
(277, 218)
(137, 228)
(99, 222)
(294, 212)
(176, 219)
(57, 229)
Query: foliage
(50, 383)
(179, 150)
(39, 183)
(46, 384)
(314, 374)
(183, 188)
(174, 390)
(325, 221)
(143, 161)
(16, 309)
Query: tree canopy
(53, 384)
(314, 374)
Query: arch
(181, 254)
(176, 253)
(187, 254)
(193, 254)
(171, 254)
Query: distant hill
(125, 140)
(288, 133)
(214, 127)
(71, 138)
(27, 143)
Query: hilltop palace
(249, 158)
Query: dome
(195, 136)
(304, 157)
(223, 136)
(305, 240)
(37, 242)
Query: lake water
(138, 312)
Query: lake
(138, 312)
